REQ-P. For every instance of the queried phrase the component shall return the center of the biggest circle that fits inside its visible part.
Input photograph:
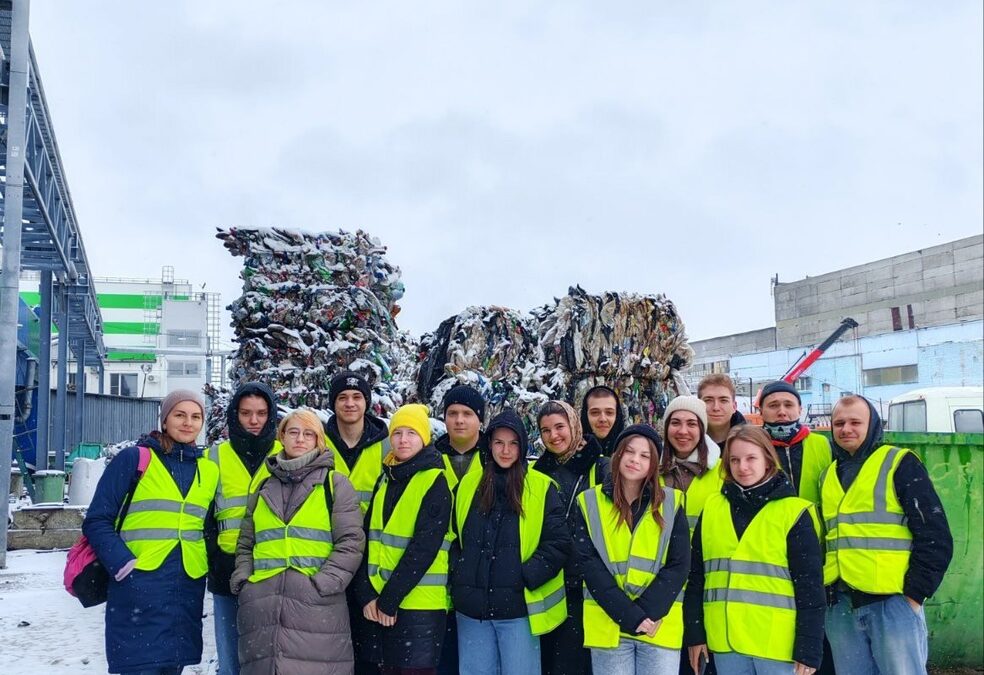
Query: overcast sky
(505, 151)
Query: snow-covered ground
(43, 629)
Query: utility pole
(13, 198)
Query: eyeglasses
(298, 433)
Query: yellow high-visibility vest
(159, 518)
(368, 467)
(303, 544)
(474, 466)
(388, 543)
(816, 459)
(235, 486)
(546, 606)
(749, 600)
(634, 557)
(868, 541)
(700, 490)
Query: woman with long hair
(156, 556)
(299, 546)
(632, 547)
(576, 463)
(755, 598)
(512, 543)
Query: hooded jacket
(608, 442)
(373, 431)
(415, 640)
(154, 617)
(932, 542)
(252, 450)
(292, 623)
(488, 575)
(805, 568)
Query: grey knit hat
(178, 396)
(688, 403)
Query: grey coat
(292, 623)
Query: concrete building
(921, 317)
(160, 334)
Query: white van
(939, 409)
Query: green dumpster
(83, 450)
(49, 486)
(955, 615)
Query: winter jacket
(656, 600)
(488, 576)
(805, 568)
(290, 622)
(252, 450)
(415, 640)
(460, 462)
(573, 478)
(153, 618)
(932, 542)
(608, 442)
(737, 419)
(373, 431)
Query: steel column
(78, 434)
(61, 399)
(44, 374)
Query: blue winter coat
(153, 619)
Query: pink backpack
(85, 577)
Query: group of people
(360, 546)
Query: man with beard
(252, 423)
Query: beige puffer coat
(292, 623)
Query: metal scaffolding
(40, 233)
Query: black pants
(561, 650)
(685, 668)
(449, 650)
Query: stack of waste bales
(314, 304)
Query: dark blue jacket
(153, 619)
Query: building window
(968, 421)
(123, 384)
(883, 377)
(184, 338)
(912, 318)
(183, 368)
(896, 319)
(804, 384)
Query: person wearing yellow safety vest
(632, 545)
(755, 596)
(156, 557)
(576, 463)
(300, 544)
(402, 584)
(510, 548)
(803, 455)
(251, 420)
(888, 546)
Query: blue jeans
(505, 647)
(730, 663)
(881, 638)
(225, 608)
(634, 656)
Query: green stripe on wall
(114, 300)
(131, 328)
(130, 356)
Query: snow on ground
(43, 629)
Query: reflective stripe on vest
(159, 518)
(388, 542)
(749, 599)
(634, 557)
(303, 544)
(475, 465)
(867, 539)
(368, 468)
(546, 606)
(235, 486)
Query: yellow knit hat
(414, 416)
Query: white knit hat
(688, 403)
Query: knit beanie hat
(775, 388)
(641, 430)
(344, 381)
(179, 396)
(688, 403)
(414, 416)
(462, 394)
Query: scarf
(577, 433)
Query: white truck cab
(939, 409)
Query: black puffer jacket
(416, 639)
(252, 450)
(656, 600)
(805, 567)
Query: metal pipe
(61, 396)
